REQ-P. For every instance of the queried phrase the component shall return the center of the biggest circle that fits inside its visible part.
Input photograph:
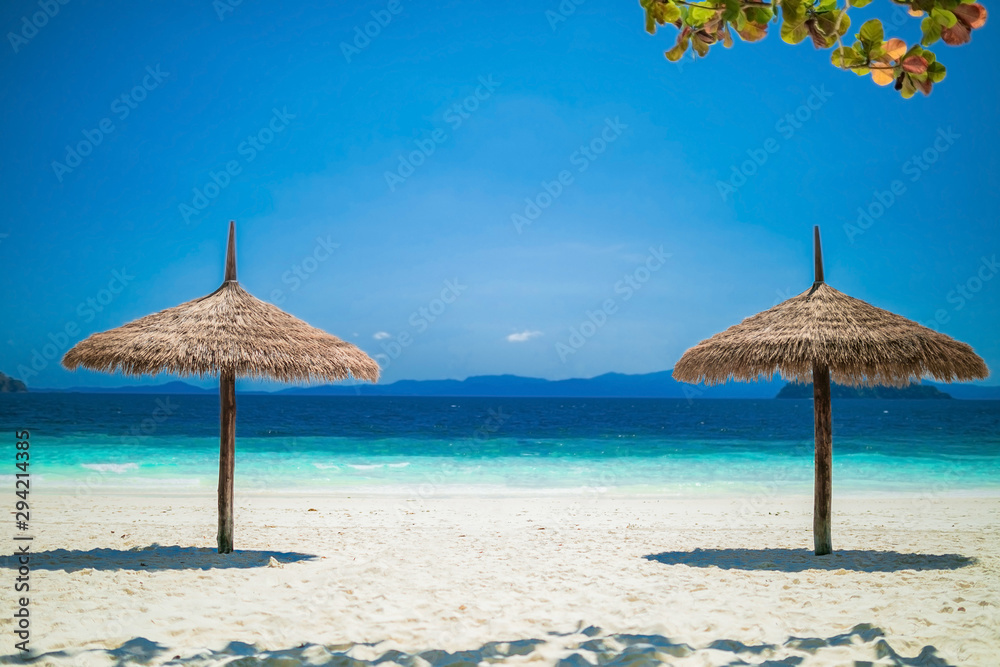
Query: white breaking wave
(374, 466)
(117, 468)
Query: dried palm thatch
(229, 333)
(859, 343)
(819, 334)
(227, 330)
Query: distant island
(9, 385)
(913, 391)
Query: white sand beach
(713, 581)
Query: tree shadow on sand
(799, 560)
(153, 557)
(584, 647)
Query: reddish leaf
(752, 32)
(915, 65)
(818, 38)
(956, 35)
(973, 16)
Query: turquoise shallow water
(427, 446)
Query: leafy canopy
(704, 23)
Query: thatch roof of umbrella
(228, 329)
(229, 333)
(859, 343)
(823, 333)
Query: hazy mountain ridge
(648, 385)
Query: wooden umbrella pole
(823, 493)
(823, 432)
(227, 426)
(227, 458)
(817, 255)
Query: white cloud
(382, 335)
(523, 336)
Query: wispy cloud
(382, 335)
(523, 336)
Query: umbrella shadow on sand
(154, 557)
(800, 560)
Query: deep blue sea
(297, 444)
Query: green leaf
(669, 12)
(845, 57)
(758, 14)
(680, 48)
(944, 17)
(845, 24)
(732, 11)
(871, 33)
(936, 72)
(860, 3)
(793, 11)
(826, 22)
(700, 46)
(700, 15)
(908, 90)
(793, 34)
(931, 31)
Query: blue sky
(633, 147)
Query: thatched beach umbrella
(229, 333)
(823, 334)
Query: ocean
(108, 443)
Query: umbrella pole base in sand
(823, 492)
(227, 458)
